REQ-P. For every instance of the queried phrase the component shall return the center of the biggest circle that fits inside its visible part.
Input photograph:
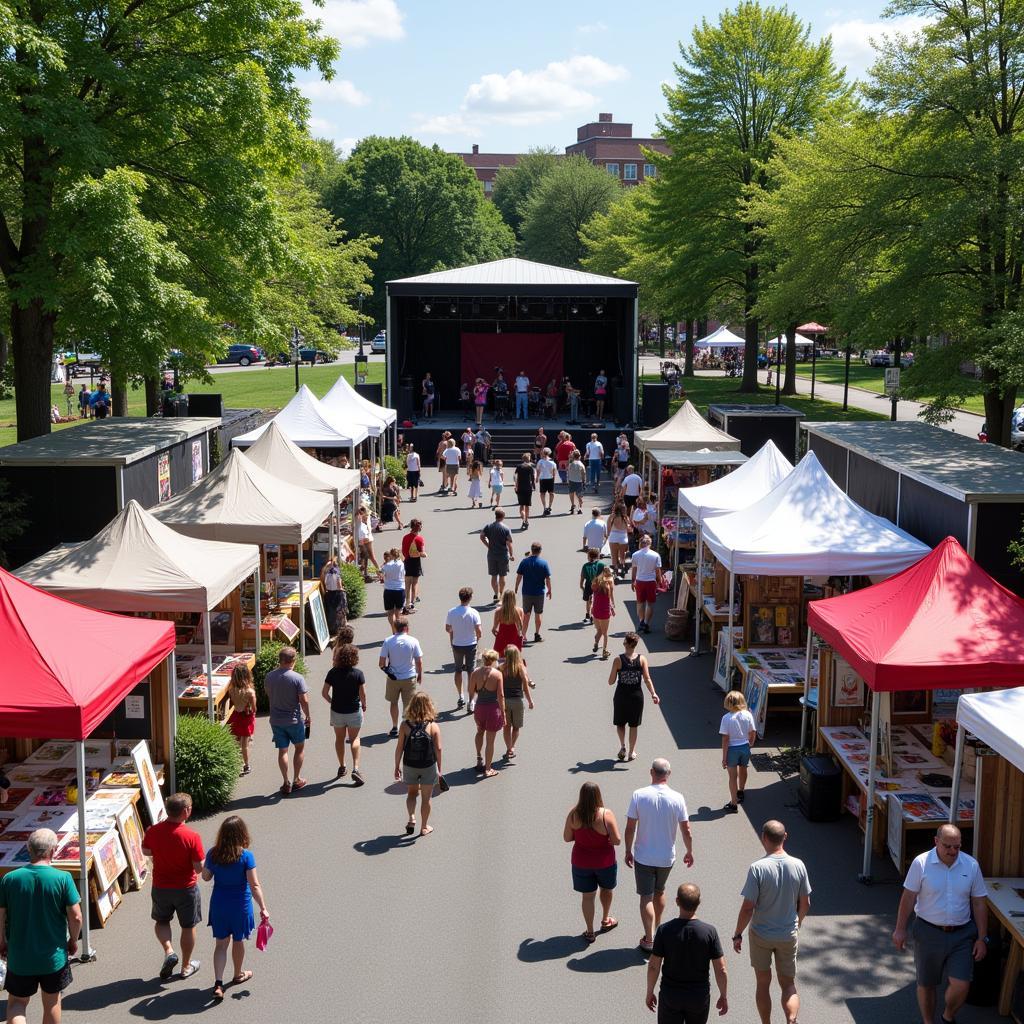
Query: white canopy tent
(722, 338)
(239, 501)
(734, 491)
(685, 431)
(801, 341)
(136, 563)
(346, 404)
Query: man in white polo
(546, 469)
(464, 631)
(632, 484)
(595, 532)
(647, 577)
(946, 890)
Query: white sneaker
(472, 706)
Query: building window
(612, 169)
(629, 172)
(650, 171)
(488, 186)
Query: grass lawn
(252, 388)
(871, 378)
(705, 391)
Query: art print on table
(67, 852)
(18, 796)
(151, 795)
(109, 860)
(52, 752)
(921, 807)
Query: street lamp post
(295, 354)
(360, 367)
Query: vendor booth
(685, 431)
(50, 690)
(347, 405)
(139, 565)
(940, 626)
(722, 338)
(242, 503)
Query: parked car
(243, 355)
(881, 359)
(380, 342)
(306, 355)
(1016, 430)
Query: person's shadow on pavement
(558, 947)
(602, 764)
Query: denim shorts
(285, 734)
(592, 879)
(739, 756)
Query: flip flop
(410, 827)
(622, 754)
(299, 784)
(427, 830)
(241, 979)
(588, 937)
(608, 924)
(490, 773)
(286, 788)
(190, 968)
(218, 993)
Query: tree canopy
(515, 185)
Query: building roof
(118, 441)
(672, 458)
(736, 411)
(957, 465)
(512, 275)
(490, 159)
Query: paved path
(478, 922)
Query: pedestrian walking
(629, 675)
(414, 550)
(517, 685)
(335, 598)
(631, 486)
(462, 624)
(345, 689)
(452, 457)
(482, 445)
(602, 609)
(177, 855)
(738, 731)
(647, 579)
(442, 447)
(655, 812)
(364, 543)
(684, 950)
(591, 569)
(546, 469)
(476, 494)
(563, 453)
(393, 572)
(576, 475)
(946, 889)
(289, 716)
(534, 575)
(776, 898)
(595, 531)
(621, 459)
(496, 482)
(509, 625)
(40, 921)
(618, 537)
(540, 441)
(231, 866)
(526, 483)
(242, 695)
(497, 538)
(401, 660)
(83, 402)
(413, 468)
(390, 503)
(468, 439)
(594, 833)
(418, 759)
(595, 456)
(486, 695)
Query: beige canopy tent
(136, 563)
(686, 431)
(239, 501)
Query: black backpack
(419, 747)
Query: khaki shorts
(515, 712)
(403, 688)
(784, 951)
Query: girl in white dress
(476, 473)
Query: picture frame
(757, 699)
(108, 860)
(847, 686)
(106, 902)
(720, 673)
(130, 829)
(151, 795)
(318, 619)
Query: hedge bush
(355, 589)
(394, 466)
(207, 761)
(266, 661)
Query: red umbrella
(812, 328)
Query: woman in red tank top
(594, 834)
(508, 624)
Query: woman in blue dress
(232, 867)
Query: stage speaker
(375, 392)
(621, 405)
(206, 405)
(406, 406)
(655, 409)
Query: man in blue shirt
(534, 574)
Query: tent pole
(807, 690)
(869, 816)
(732, 590)
(302, 605)
(208, 648)
(698, 597)
(172, 715)
(958, 766)
(85, 953)
(256, 609)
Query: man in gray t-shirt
(497, 538)
(289, 715)
(776, 898)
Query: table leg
(1013, 965)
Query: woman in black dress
(630, 673)
(390, 499)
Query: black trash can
(820, 794)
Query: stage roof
(522, 277)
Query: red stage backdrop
(540, 355)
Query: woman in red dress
(242, 694)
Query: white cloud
(338, 90)
(347, 144)
(358, 22)
(321, 128)
(594, 28)
(852, 39)
(527, 97)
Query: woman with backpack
(418, 759)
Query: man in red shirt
(563, 452)
(413, 553)
(177, 853)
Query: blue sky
(511, 76)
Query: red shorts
(242, 725)
(646, 591)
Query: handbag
(263, 933)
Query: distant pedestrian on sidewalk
(335, 599)
(393, 572)
(592, 568)
(414, 550)
(631, 486)
(509, 623)
(776, 898)
(418, 759)
(594, 833)
(526, 483)
(546, 469)
(618, 538)
(242, 695)
(442, 447)
(655, 812)
(401, 660)
(364, 543)
(534, 575)
(487, 696)
(497, 538)
(517, 685)
(289, 715)
(602, 609)
(563, 453)
(413, 468)
(738, 731)
(464, 630)
(647, 578)
(684, 949)
(496, 482)
(595, 456)
(576, 474)
(629, 675)
(451, 457)
(476, 477)
(345, 688)
(595, 531)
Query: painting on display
(109, 860)
(163, 476)
(151, 794)
(131, 838)
(849, 687)
(757, 699)
(197, 461)
(721, 672)
(318, 619)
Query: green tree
(199, 99)
(426, 205)
(513, 186)
(566, 197)
(742, 84)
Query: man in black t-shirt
(684, 949)
(526, 484)
(497, 538)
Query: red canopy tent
(942, 623)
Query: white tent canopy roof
(136, 563)
(738, 489)
(997, 719)
(309, 425)
(241, 502)
(288, 462)
(344, 403)
(800, 340)
(722, 338)
(806, 526)
(686, 431)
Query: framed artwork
(909, 706)
(757, 699)
(197, 461)
(67, 851)
(130, 830)
(720, 676)
(772, 625)
(151, 795)
(163, 476)
(107, 902)
(109, 860)
(848, 688)
(318, 619)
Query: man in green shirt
(592, 568)
(40, 920)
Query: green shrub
(355, 589)
(394, 466)
(207, 761)
(267, 660)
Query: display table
(192, 686)
(1006, 901)
(767, 673)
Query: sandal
(299, 784)
(286, 788)
(218, 992)
(480, 766)
(410, 827)
(622, 754)
(241, 979)
(608, 924)
(490, 773)
(426, 830)
(588, 937)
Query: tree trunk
(118, 391)
(750, 330)
(688, 360)
(661, 337)
(789, 383)
(702, 329)
(151, 383)
(999, 407)
(32, 345)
